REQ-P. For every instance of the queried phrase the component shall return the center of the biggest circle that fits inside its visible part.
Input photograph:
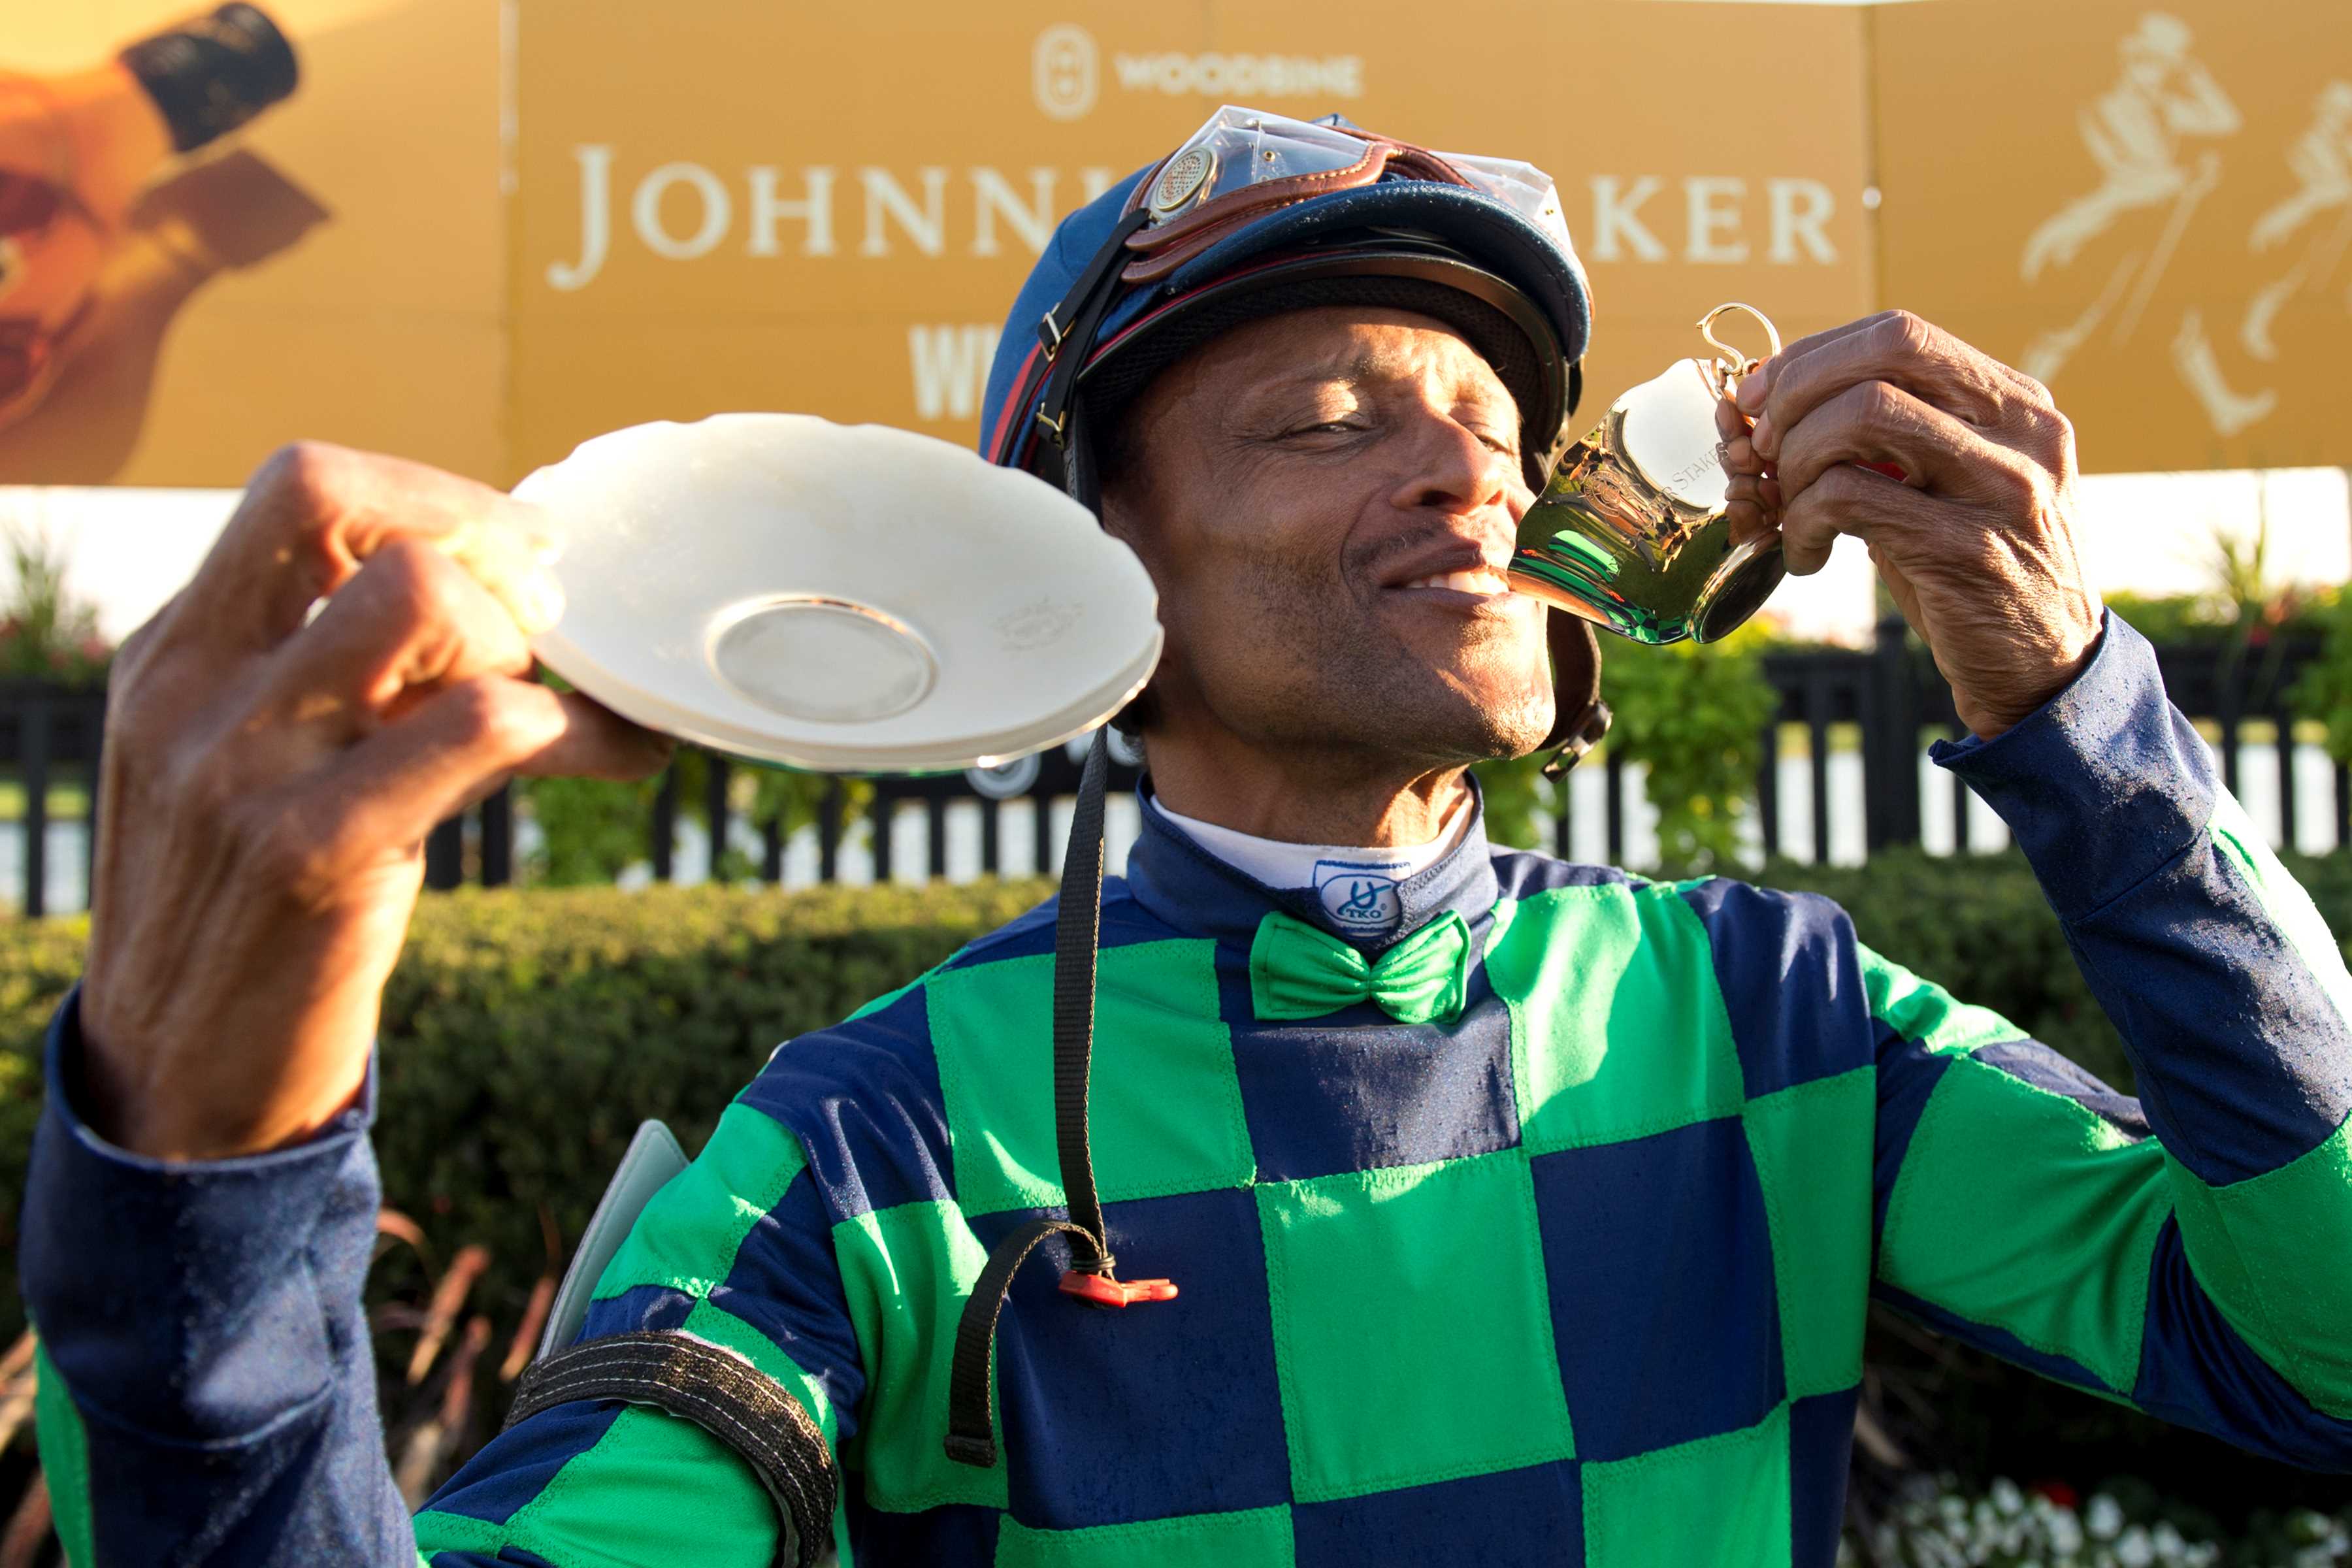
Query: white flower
(2134, 1549)
(2006, 1498)
(2066, 1532)
(2105, 1517)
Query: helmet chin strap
(1067, 337)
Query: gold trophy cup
(1630, 534)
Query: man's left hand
(1976, 542)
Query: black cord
(1078, 928)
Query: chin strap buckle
(1583, 738)
(1100, 1291)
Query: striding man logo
(2318, 212)
(2146, 134)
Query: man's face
(1326, 499)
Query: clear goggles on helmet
(1245, 162)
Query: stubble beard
(1355, 689)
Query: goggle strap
(1067, 330)
(1175, 241)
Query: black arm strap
(720, 1393)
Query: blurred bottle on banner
(77, 150)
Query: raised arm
(218, 1384)
(202, 1199)
(2183, 1252)
(2189, 1252)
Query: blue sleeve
(207, 1387)
(207, 1374)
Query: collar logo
(1360, 895)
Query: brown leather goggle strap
(1161, 249)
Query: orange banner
(737, 204)
(830, 209)
(477, 234)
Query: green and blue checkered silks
(1575, 1274)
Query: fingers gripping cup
(1632, 533)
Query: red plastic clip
(1099, 1291)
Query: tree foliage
(2324, 692)
(591, 829)
(1693, 717)
(46, 631)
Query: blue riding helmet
(1257, 214)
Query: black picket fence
(1889, 695)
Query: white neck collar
(1357, 884)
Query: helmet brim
(1494, 318)
(1488, 233)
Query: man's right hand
(268, 783)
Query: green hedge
(527, 1032)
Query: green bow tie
(1299, 971)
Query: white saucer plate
(848, 599)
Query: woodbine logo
(1065, 70)
(1066, 74)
